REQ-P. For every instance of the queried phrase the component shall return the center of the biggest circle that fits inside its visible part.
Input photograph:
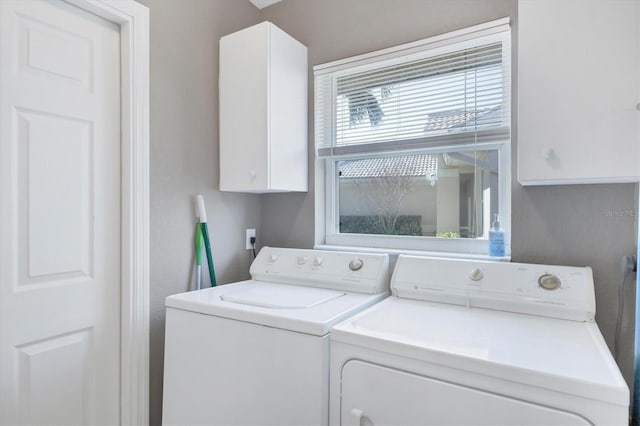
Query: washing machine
(464, 342)
(256, 352)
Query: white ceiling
(261, 4)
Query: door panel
(59, 215)
(40, 375)
(56, 183)
(51, 50)
(376, 395)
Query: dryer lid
(565, 356)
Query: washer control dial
(549, 282)
(302, 260)
(476, 275)
(273, 258)
(356, 264)
(317, 261)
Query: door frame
(133, 19)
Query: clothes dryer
(256, 352)
(465, 342)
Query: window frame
(327, 233)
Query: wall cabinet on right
(578, 91)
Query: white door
(59, 215)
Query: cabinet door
(243, 85)
(578, 81)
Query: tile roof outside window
(420, 164)
(406, 165)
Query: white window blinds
(441, 91)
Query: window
(413, 144)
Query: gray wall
(566, 225)
(184, 156)
(562, 225)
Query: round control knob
(356, 264)
(302, 260)
(547, 153)
(549, 282)
(252, 174)
(476, 275)
(273, 258)
(318, 261)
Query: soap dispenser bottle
(496, 239)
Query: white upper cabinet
(263, 111)
(578, 91)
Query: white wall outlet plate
(250, 233)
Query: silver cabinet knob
(358, 415)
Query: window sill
(395, 252)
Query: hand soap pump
(496, 239)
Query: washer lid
(562, 355)
(287, 297)
(289, 307)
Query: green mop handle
(202, 215)
(207, 246)
(198, 256)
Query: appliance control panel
(355, 272)
(555, 291)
